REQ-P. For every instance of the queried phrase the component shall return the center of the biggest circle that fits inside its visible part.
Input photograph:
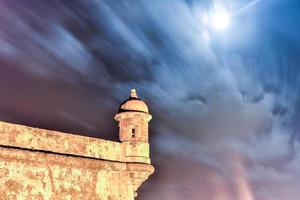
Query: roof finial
(133, 93)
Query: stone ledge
(41, 158)
(14, 135)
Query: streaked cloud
(225, 104)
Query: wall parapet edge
(25, 137)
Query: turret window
(133, 132)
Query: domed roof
(133, 104)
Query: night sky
(225, 103)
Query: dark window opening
(133, 132)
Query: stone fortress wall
(40, 164)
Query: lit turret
(133, 118)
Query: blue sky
(225, 103)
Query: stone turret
(133, 117)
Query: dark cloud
(225, 104)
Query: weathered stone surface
(35, 175)
(42, 164)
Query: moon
(220, 20)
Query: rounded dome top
(133, 104)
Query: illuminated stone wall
(40, 164)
